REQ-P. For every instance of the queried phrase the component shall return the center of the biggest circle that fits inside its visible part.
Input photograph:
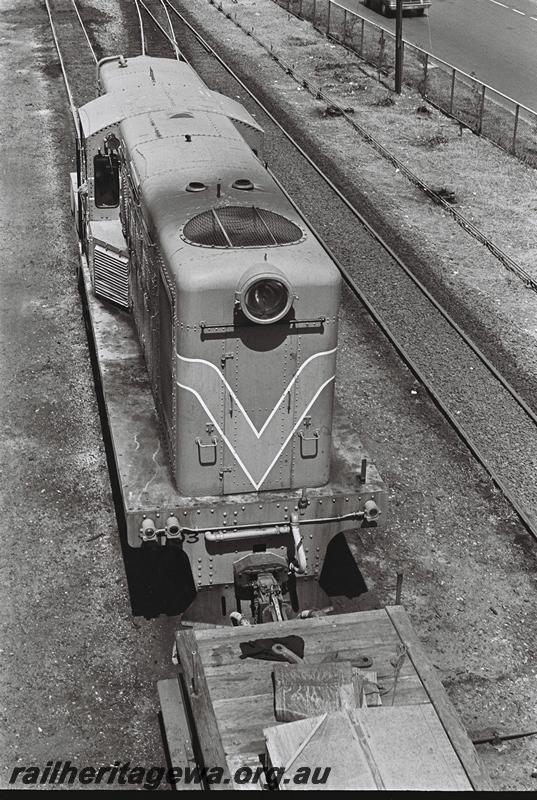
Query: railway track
(74, 47)
(463, 221)
(486, 411)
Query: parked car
(388, 7)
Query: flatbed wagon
(391, 727)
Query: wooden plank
(394, 749)
(340, 642)
(439, 699)
(381, 655)
(332, 645)
(296, 626)
(202, 706)
(306, 690)
(251, 677)
(354, 716)
(176, 728)
(235, 701)
(242, 719)
(238, 761)
(285, 741)
(329, 741)
(379, 652)
(411, 749)
(241, 723)
(409, 692)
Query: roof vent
(196, 186)
(243, 183)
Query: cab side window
(106, 173)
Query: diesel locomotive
(214, 314)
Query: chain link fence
(485, 111)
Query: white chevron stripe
(220, 431)
(236, 399)
(284, 445)
(228, 443)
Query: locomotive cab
(106, 179)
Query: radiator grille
(111, 276)
(241, 226)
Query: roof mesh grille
(241, 226)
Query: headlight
(266, 300)
(264, 295)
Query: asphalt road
(492, 40)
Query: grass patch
(459, 97)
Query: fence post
(452, 91)
(399, 46)
(328, 21)
(382, 45)
(426, 71)
(314, 11)
(481, 110)
(344, 26)
(362, 39)
(517, 111)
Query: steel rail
(527, 517)
(140, 22)
(74, 112)
(73, 107)
(172, 40)
(84, 31)
(175, 45)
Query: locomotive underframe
(210, 527)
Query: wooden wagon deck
(231, 700)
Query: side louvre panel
(111, 275)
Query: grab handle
(212, 445)
(303, 438)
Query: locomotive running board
(144, 488)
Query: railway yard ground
(87, 629)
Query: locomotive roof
(176, 132)
(151, 84)
(169, 152)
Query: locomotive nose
(264, 294)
